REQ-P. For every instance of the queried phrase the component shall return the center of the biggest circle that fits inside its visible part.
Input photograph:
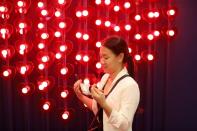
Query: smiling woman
(115, 101)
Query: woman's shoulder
(129, 82)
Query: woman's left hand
(98, 95)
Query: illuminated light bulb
(170, 32)
(127, 27)
(40, 25)
(156, 14)
(137, 57)
(25, 89)
(150, 57)
(98, 2)
(20, 3)
(4, 53)
(44, 83)
(21, 52)
(3, 31)
(98, 65)
(41, 45)
(85, 36)
(127, 5)
(7, 72)
(156, 33)
(64, 71)
(58, 55)
(85, 13)
(2, 9)
(63, 48)
(78, 35)
(116, 28)
(78, 57)
(138, 36)
(45, 59)
(44, 35)
(116, 8)
(107, 23)
(40, 4)
(151, 14)
(22, 47)
(61, 1)
(137, 17)
(65, 115)
(57, 13)
(98, 22)
(64, 94)
(98, 44)
(46, 106)
(21, 25)
(78, 14)
(130, 50)
(44, 12)
(23, 69)
(85, 58)
(171, 12)
(107, 2)
(62, 25)
(150, 37)
(41, 66)
(58, 34)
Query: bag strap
(95, 117)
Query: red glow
(138, 36)
(86, 58)
(78, 57)
(98, 22)
(25, 89)
(64, 93)
(116, 8)
(46, 105)
(107, 23)
(85, 36)
(170, 33)
(127, 5)
(64, 70)
(150, 57)
(98, 65)
(98, 2)
(150, 37)
(78, 35)
(98, 44)
(65, 115)
(137, 57)
(137, 17)
(107, 2)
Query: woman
(116, 99)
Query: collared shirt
(123, 100)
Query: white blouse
(123, 100)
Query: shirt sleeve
(100, 85)
(129, 100)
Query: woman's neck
(115, 73)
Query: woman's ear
(121, 57)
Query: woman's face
(109, 60)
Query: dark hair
(118, 45)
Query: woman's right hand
(77, 89)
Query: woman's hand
(77, 89)
(98, 95)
